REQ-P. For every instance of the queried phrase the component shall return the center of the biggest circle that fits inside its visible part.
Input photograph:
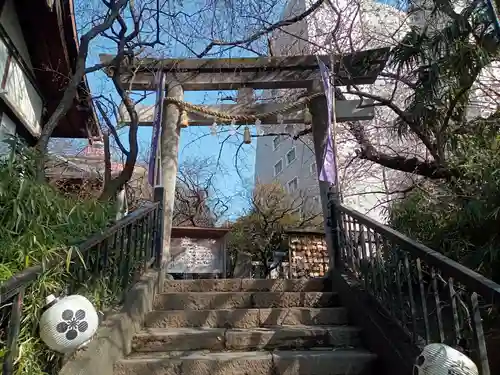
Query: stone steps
(306, 362)
(243, 300)
(246, 318)
(247, 327)
(246, 285)
(221, 339)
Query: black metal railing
(107, 264)
(433, 298)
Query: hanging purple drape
(329, 168)
(160, 92)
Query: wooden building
(34, 69)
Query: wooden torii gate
(289, 72)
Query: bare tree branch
(115, 7)
(265, 31)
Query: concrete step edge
(317, 362)
(302, 308)
(238, 293)
(244, 339)
(175, 331)
(357, 353)
(228, 300)
(247, 318)
(315, 284)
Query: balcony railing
(433, 298)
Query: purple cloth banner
(328, 172)
(160, 92)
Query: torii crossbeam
(358, 68)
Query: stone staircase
(247, 327)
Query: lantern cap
(49, 299)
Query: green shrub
(38, 223)
(460, 218)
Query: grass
(37, 223)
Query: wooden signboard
(197, 251)
(194, 255)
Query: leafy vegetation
(38, 223)
(460, 217)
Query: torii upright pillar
(320, 132)
(169, 145)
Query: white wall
(289, 41)
(292, 40)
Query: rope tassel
(307, 116)
(258, 127)
(213, 128)
(184, 119)
(247, 138)
(232, 129)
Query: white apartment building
(365, 24)
(353, 25)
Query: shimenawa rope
(227, 116)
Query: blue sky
(196, 142)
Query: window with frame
(293, 185)
(313, 169)
(276, 142)
(278, 167)
(291, 156)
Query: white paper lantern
(441, 359)
(68, 323)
